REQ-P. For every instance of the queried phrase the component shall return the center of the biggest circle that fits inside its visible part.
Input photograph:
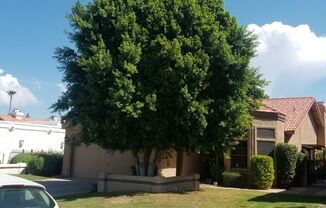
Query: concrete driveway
(69, 186)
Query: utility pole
(10, 93)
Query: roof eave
(290, 132)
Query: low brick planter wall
(18, 168)
(125, 183)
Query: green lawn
(31, 177)
(204, 198)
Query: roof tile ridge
(273, 109)
(297, 123)
(283, 98)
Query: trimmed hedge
(286, 156)
(262, 171)
(235, 179)
(52, 163)
(36, 165)
(21, 158)
(41, 163)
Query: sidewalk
(317, 189)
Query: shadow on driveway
(69, 186)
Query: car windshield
(24, 197)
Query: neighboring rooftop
(294, 109)
(18, 116)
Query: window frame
(247, 160)
(257, 139)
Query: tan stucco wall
(306, 133)
(71, 133)
(168, 166)
(192, 163)
(277, 125)
(123, 183)
(262, 120)
(90, 161)
(321, 138)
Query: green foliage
(41, 163)
(216, 166)
(35, 166)
(300, 170)
(158, 74)
(21, 158)
(319, 164)
(262, 171)
(286, 156)
(52, 163)
(235, 179)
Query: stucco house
(21, 134)
(299, 121)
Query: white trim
(13, 126)
(31, 124)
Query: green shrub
(235, 179)
(286, 156)
(36, 165)
(216, 169)
(52, 163)
(41, 163)
(21, 158)
(262, 171)
(300, 170)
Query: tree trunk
(151, 163)
(136, 162)
(141, 164)
(146, 161)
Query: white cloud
(62, 87)
(289, 56)
(23, 95)
(37, 83)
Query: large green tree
(154, 75)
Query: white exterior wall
(36, 138)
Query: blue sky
(291, 53)
(29, 33)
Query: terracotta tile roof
(267, 109)
(293, 108)
(27, 120)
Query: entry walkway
(69, 186)
(317, 189)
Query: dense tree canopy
(154, 75)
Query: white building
(20, 134)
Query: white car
(17, 192)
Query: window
(24, 197)
(21, 143)
(265, 141)
(239, 155)
(265, 148)
(265, 133)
